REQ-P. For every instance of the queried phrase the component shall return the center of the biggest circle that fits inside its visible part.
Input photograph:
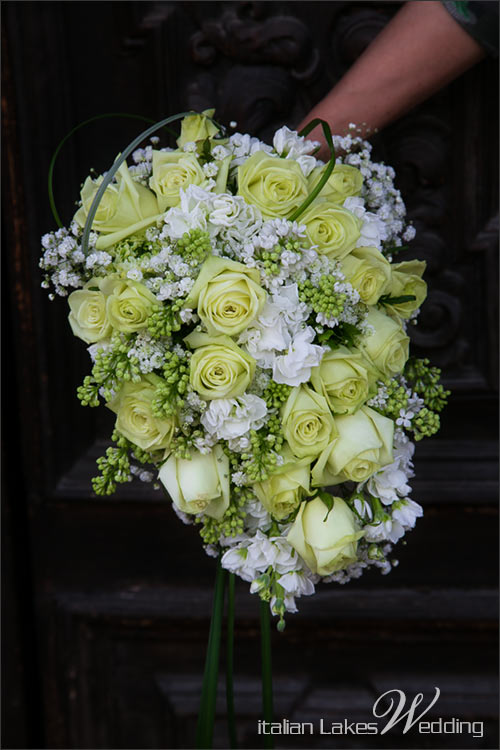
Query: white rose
(199, 484)
(326, 541)
(363, 444)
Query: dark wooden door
(107, 600)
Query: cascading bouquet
(248, 327)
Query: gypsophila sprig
(252, 361)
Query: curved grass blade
(53, 208)
(328, 170)
(117, 164)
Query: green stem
(267, 675)
(206, 716)
(231, 721)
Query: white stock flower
(192, 212)
(286, 559)
(403, 452)
(240, 444)
(297, 583)
(257, 516)
(391, 482)
(406, 512)
(294, 367)
(306, 163)
(373, 229)
(387, 530)
(261, 552)
(290, 144)
(363, 508)
(230, 210)
(288, 601)
(388, 484)
(278, 339)
(229, 418)
(235, 560)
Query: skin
(419, 51)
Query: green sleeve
(479, 19)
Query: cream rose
(368, 272)
(197, 128)
(387, 348)
(344, 182)
(308, 425)
(363, 446)
(342, 379)
(282, 492)
(125, 208)
(407, 280)
(128, 305)
(87, 316)
(173, 170)
(199, 484)
(218, 368)
(326, 540)
(228, 295)
(134, 416)
(277, 186)
(334, 229)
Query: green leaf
(386, 300)
(344, 334)
(327, 501)
(395, 248)
(325, 337)
(206, 153)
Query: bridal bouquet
(247, 324)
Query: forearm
(419, 51)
